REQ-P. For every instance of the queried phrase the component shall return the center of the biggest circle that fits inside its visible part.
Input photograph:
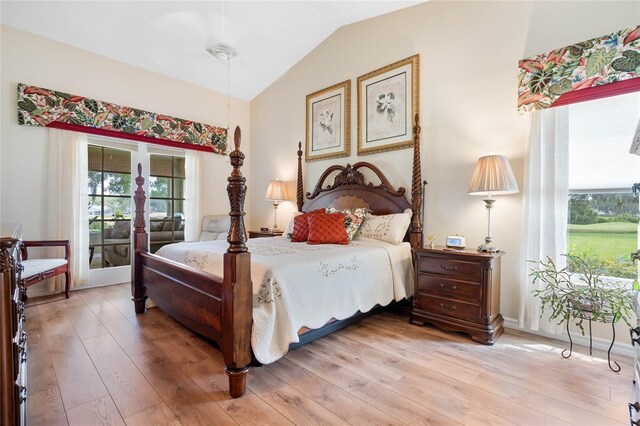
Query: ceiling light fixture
(222, 52)
(219, 50)
(217, 47)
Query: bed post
(300, 189)
(416, 190)
(140, 244)
(237, 294)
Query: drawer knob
(448, 307)
(449, 268)
(444, 287)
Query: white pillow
(390, 228)
(288, 231)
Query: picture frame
(388, 99)
(328, 122)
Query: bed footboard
(191, 297)
(218, 309)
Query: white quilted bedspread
(298, 285)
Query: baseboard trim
(621, 347)
(31, 293)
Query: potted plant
(578, 291)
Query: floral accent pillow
(353, 218)
(389, 227)
(301, 226)
(327, 229)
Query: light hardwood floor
(91, 360)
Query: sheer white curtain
(546, 193)
(194, 164)
(67, 201)
(635, 144)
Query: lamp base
(488, 247)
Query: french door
(112, 168)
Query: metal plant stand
(613, 340)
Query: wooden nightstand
(264, 234)
(458, 290)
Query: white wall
(41, 62)
(469, 54)
(45, 63)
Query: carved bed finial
(237, 191)
(299, 186)
(416, 189)
(139, 199)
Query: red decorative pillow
(301, 226)
(327, 229)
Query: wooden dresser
(13, 344)
(458, 290)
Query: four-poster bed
(221, 308)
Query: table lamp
(276, 192)
(492, 176)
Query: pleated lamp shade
(493, 176)
(276, 191)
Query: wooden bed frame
(221, 309)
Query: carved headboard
(350, 190)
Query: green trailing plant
(577, 292)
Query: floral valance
(603, 60)
(50, 108)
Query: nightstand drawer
(432, 284)
(468, 271)
(448, 307)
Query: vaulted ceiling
(168, 37)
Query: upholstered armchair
(117, 244)
(117, 239)
(215, 227)
(36, 270)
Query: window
(603, 214)
(166, 205)
(112, 164)
(109, 207)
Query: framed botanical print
(329, 122)
(388, 98)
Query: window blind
(599, 135)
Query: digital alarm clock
(455, 241)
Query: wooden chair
(36, 270)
